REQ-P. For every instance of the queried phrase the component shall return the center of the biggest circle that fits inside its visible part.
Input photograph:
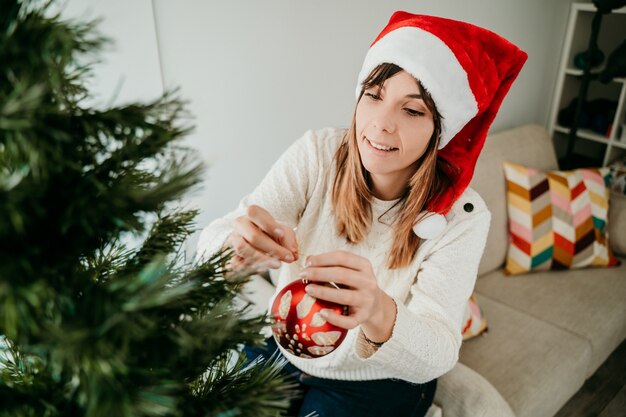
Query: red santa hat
(468, 71)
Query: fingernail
(324, 313)
(303, 274)
(279, 232)
(308, 262)
(289, 258)
(309, 289)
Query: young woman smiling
(383, 209)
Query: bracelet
(371, 342)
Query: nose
(384, 119)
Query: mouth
(379, 146)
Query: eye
(372, 96)
(413, 112)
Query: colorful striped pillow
(557, 219)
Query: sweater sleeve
(426, 337)
(283, 192)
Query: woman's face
(393, 129)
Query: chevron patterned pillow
(557, 219)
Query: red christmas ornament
(298, 325)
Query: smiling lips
(379, 146)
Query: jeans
(334, 398)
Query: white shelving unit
(607, 147)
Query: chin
(376, 169)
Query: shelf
(619, 144)
(590, 7)
(591, 146)
(585, 134)
(578, 73)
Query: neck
(387, 187)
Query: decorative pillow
(474, 322)
(557, 219)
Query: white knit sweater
(431, 293)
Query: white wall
(258, 74)
(129, 67)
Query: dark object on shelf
(586, 58)
(607, 6)
(595, 115)
(615, 64)
(603, 7)
(578, 161)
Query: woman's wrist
(372, 343)
(380, 327)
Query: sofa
(548, 331)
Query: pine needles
(92, 327)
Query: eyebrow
(415, 96)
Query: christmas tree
(90, 326)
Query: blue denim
(334, 398)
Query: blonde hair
(351, 193)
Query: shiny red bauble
(298, 325)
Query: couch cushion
(535, 365)
(527, 145)
(557, 219)
(463, 392)
(587, 302)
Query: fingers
(339, 320)
(240, 246)
(278, 233)
(359, 304)
(339, 258)
(337, 275)
(342, 268)
(254, 240)
(334, 295)
(259, 242)
(255, 264)
(289, 241)
(354, 273)
(249, 238)
(246, 257)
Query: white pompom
(431, 226)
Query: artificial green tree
(90, 325)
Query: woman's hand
(260, 242)
(369, 306)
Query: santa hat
(468, 71)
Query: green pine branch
(89, 326)
(237, 390)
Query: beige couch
(548, 331)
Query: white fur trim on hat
(431, 225)
(432, 62)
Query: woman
(383, 209)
